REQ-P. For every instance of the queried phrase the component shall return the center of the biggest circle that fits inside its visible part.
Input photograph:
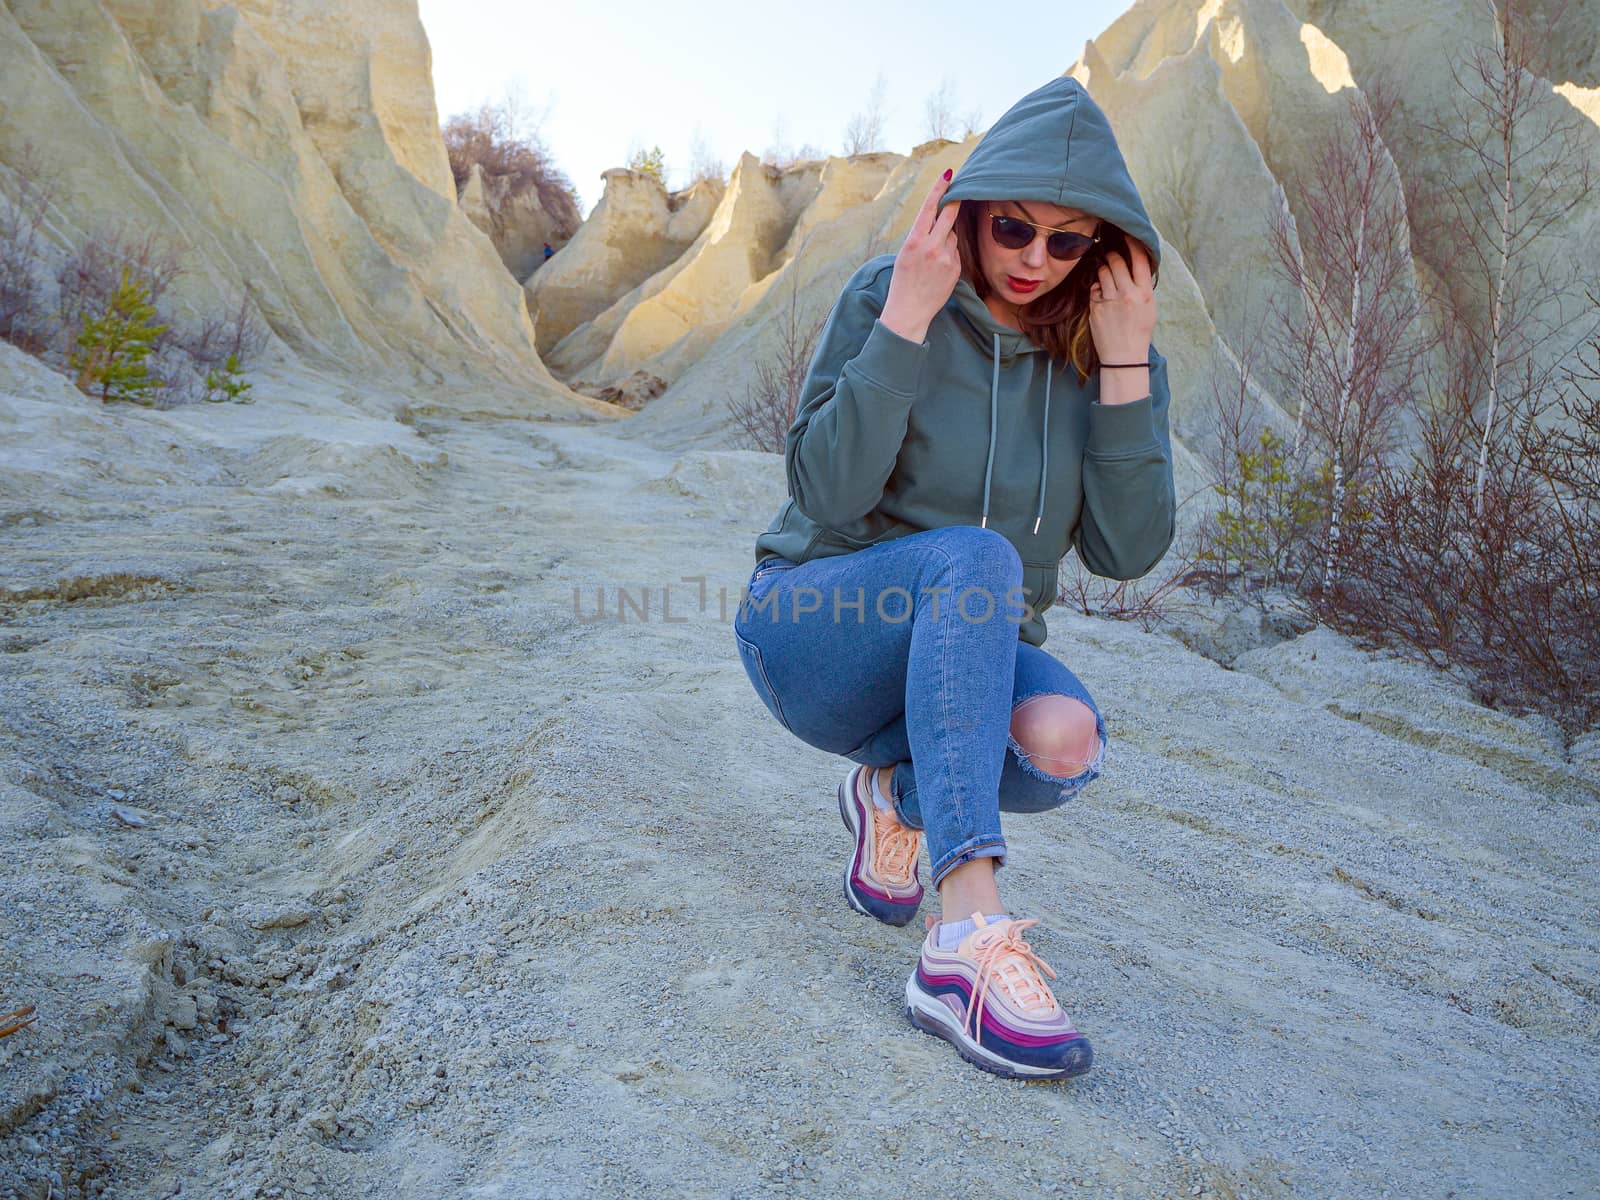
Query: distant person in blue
(549, 252)
(979, 404)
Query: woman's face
(1019, 277)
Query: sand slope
(340, 857)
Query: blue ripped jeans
(885, 656)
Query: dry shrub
(24, 320)
(771, 401)
(1478, 552)
(1259, 532)
(1508, 596)
(1477, 549)
(1149, 600)
(90, 276)
(191, 355)
(180, 357)
(494, 139)
(240, 335)
(86, 284)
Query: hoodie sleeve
(854, 407)
(1129, 503)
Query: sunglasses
(1062, 245)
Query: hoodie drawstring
(994, 424)
(1044, 441)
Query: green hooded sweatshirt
(894, 437)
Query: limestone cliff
(291, 152)
(635, 230)
(1221, 107)
(1288, 69)
(515, 220)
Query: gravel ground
(341, 857)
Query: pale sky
(650, 73)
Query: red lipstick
(1022, 286)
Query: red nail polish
(947, 174)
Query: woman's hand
(1122, 308)
(926, 269)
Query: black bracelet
(1105, 365)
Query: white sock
(879, 800)
(951, 933)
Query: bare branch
(864, 133)
(939, 110)
(771, 401)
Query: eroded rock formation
(635, 230)
(514, 218)
(291, 152)
(1221, 107)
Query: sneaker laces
(894, 847)
(1005, 958)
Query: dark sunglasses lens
(1012, 233)
(1064, 247)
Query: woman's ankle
(885, 777)
(967, 889)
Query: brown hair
(1058, 321)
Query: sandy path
(490, 902)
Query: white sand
(493, 903)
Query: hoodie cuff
(1123, 430)
(892, 362)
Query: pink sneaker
(881, 878)
(987, 998)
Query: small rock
(185, 1013)
(287, 917)
(324, 1121)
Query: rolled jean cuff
(900, 813)
(897, 801)
(968, 850)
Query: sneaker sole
(897, 918)
(933, 1017)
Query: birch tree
(1529, 169)
(1350, 349)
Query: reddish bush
(1496, 574)
(90, 276)
(492, 138)
(23, 313)
(771, 401)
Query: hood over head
(1054, 145)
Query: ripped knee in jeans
(1059, 739)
